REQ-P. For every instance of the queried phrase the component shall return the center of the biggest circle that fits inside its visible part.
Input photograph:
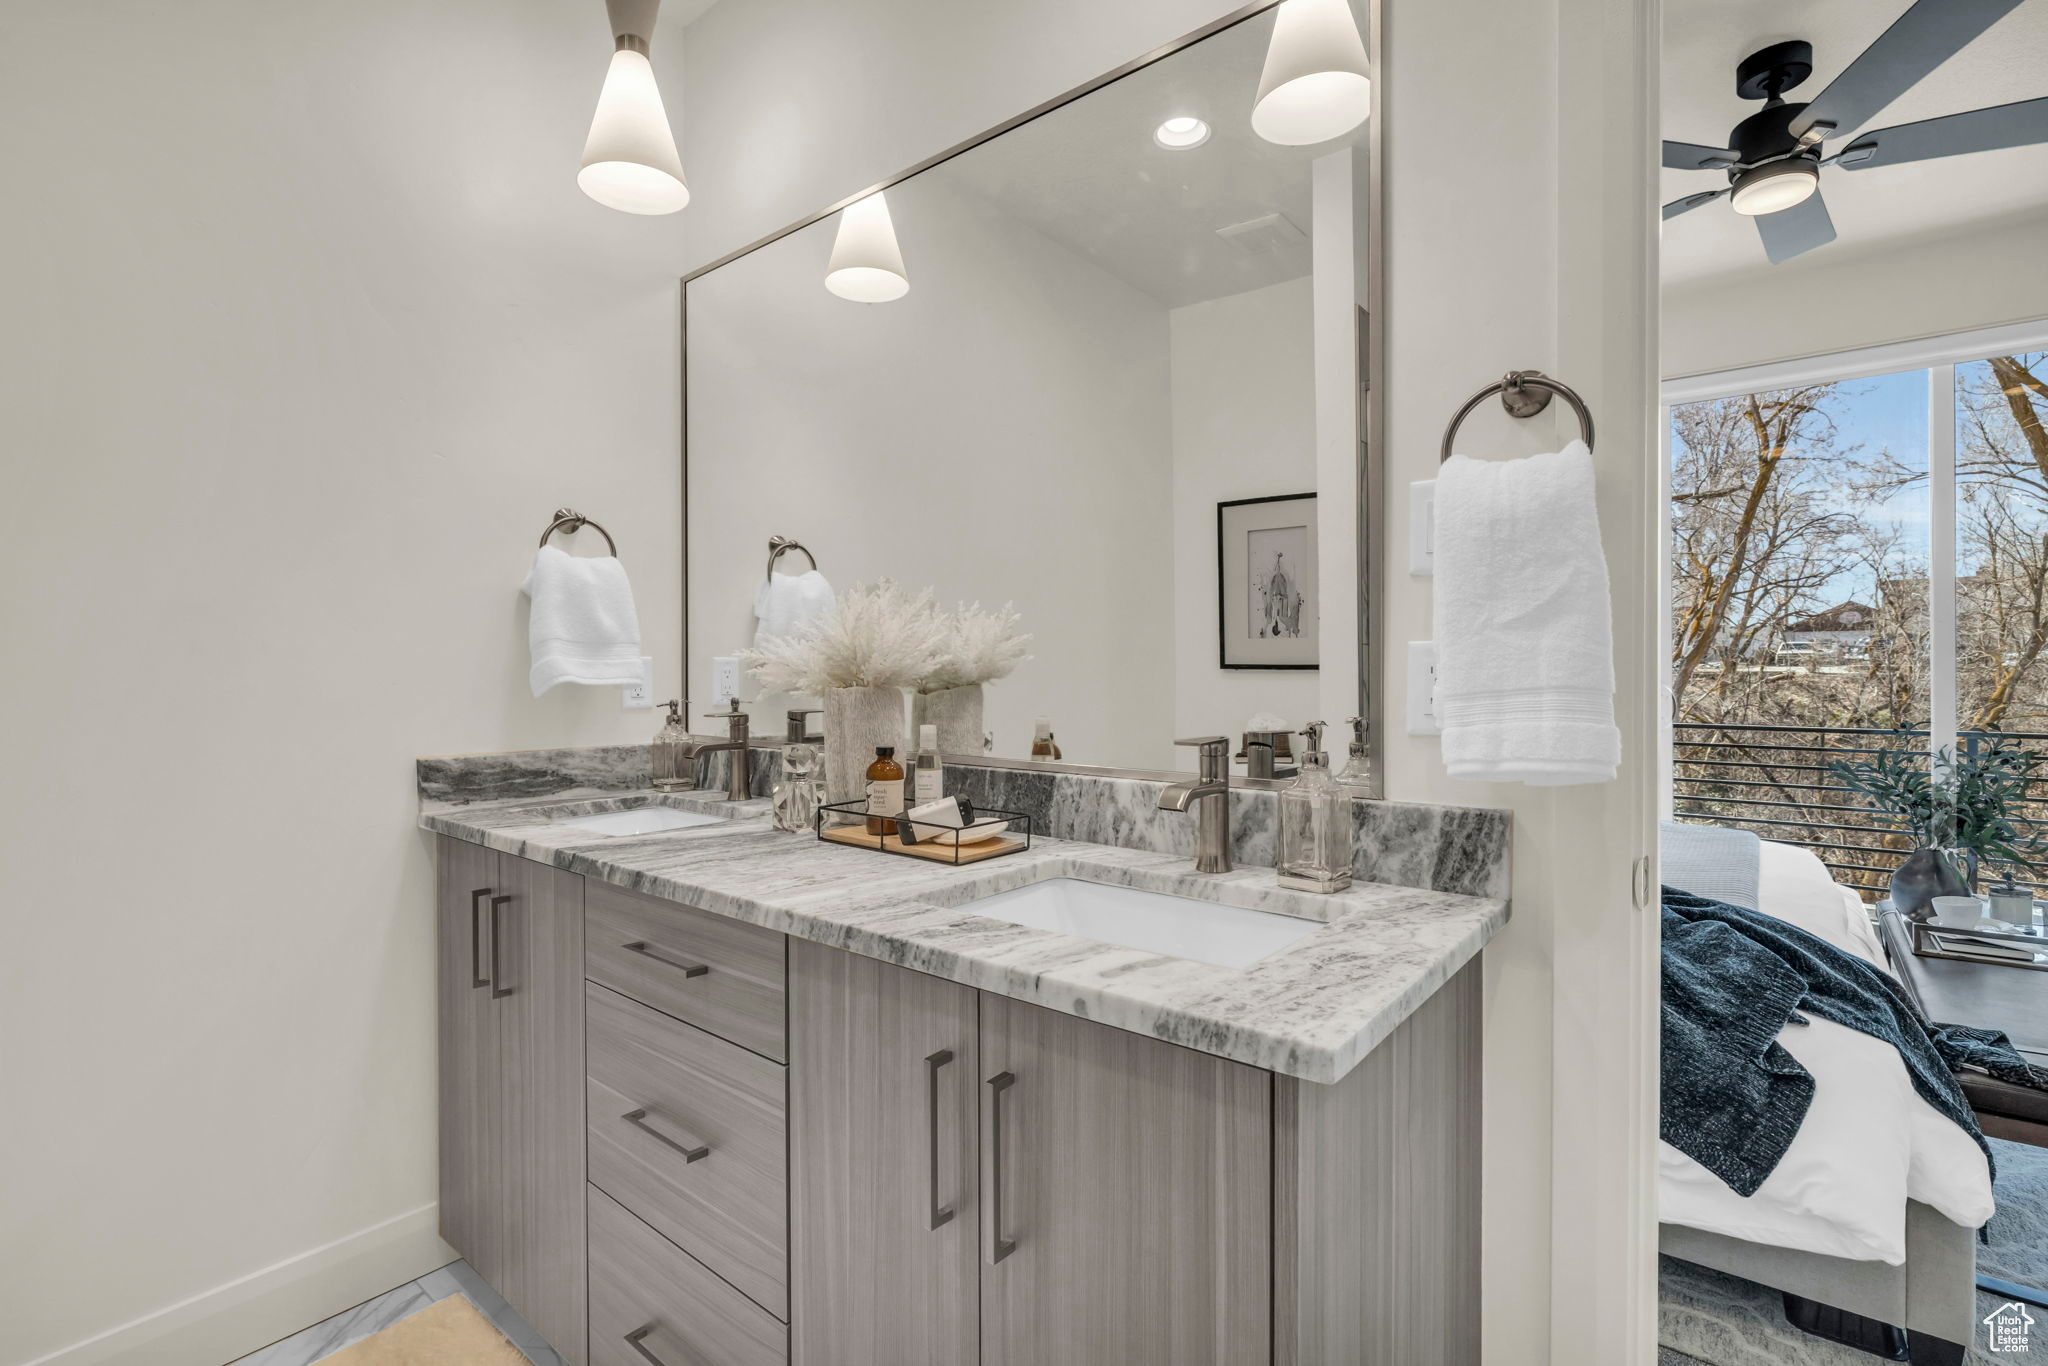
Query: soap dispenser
(1315, 824)
(675, 755)
(1358, 773)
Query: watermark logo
(2007, 1329)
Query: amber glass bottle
(885, 791)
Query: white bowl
(1958, 912)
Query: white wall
(1847, 295)
(1518, 234)
(1243, 427)
(309, 332)
(1017, 397)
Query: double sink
(1153, 922)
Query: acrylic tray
(854, 834)
(2032, 939)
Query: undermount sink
(1153, 921)
(641, 820)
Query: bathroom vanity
(725, 1096)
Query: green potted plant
(1961, 811)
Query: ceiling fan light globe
(1774, 188)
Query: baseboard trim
(252, 1311)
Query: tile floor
(309, 1345)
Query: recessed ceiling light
(1179, 134)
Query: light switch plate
(1422, 528)
(640, 696)
(1422, 689)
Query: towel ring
(1524, 393)
(569, 519)
(777, 545)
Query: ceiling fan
(1774, 157)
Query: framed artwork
(1267, 599)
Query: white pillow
(1794, 886)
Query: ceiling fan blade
(1922, 39)
(1801, 228)
(1980, 130)
(1691, 202)
(1690, 156)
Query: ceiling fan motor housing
(1766, 133)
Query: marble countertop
(1312, 1010)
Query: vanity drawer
(717, 973)
(644, 1289)
(688, 1132)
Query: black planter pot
(1925, 875)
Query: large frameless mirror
(1107, 369)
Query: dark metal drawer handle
(476, 948)
(647, 950)
(996, 1246)
(940, 1215)
(689, 1148)
(498, 903)
(633, 1341)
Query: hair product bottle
(928, 772)
(885, 791)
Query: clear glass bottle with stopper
(1315, 824)
(794, 800)
(1358, 772)
(675, 756)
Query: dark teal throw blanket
(1733, 1097)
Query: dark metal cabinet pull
(647, 950)
(498, 903)
(476, 948)
(996, 1246)
(941, 1215)
(633, 1341)
(689, 1148)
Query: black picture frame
(1291, 519)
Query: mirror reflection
(1066, 428)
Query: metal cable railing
(1775, 779)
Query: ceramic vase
(857, 722)
(1925, 875)
(957, 712)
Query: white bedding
(1869, 1142)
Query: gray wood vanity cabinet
(510, 933)
(797, 1154)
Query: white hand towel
(582, 628)
(1524, 645)
(785, 603)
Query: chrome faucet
(1212, 818)
(739, 775)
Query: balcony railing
(1775, 780)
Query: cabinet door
(1126, 1198)
(882, 1167)
(534, 959)
(464, 875)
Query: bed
(1874, 1208)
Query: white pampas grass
(879, 636)
(980, 647)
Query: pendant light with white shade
(1315, 85)
(867, 265)
(629, 160)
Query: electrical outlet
(1422, 528)
(725, 679)
(640, 696)
(1422, 689)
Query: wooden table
(1982, 996)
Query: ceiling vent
(1267, 235)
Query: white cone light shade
(629, 160)
(1775, 187)
(867, 265)
(1315, 85)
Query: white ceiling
(1090, 177)
(1704, 39)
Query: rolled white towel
(582, 627)
(1524, 644)
(785, 603)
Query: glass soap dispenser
(675, 757)
(1315, 824)
(1357, 772)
